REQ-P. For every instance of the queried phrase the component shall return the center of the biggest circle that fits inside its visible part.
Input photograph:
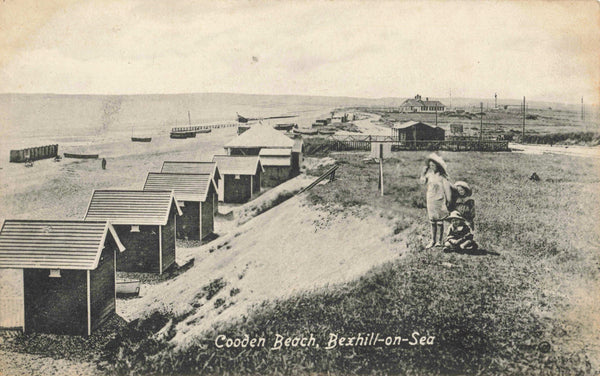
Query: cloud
(376, 49)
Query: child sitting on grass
(460, 237)
(463, 204)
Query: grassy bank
(569, 138)
(511, 310)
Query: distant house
(411, 131)
(189, 167)
(256, 138)
(57, 276)
(144, 221)
(242, 177)
(277, 164)
(196, 194)
(416, 104)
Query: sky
(544, 50)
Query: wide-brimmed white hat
(465, 186)
(438, 160)
(455, 215)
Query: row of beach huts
(65, 270)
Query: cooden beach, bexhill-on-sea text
(334, 340)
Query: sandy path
(13, 364)
(368, 126)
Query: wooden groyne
(33, 154)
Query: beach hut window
(54, 273)
(135, 228)
(237, 177)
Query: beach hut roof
(187, 187)
(261, 136)
(123, 207)
(276, 157)
(191, 167)
(238, 165)
(54, 244)
(275, 152)
(409, 124)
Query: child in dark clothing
(460, 237)
(463, 204)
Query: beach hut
(242, 177)
(57, 276)
(190, 167)
(256, 138)
(144, 221)
(277, 164)
(297, 155)
(412, 131)
(195, 194)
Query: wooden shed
(277, 164)
(195, 194)
(411, 131)
(256, 138)
(242, 177)
(57, 276)
(145, 222)
(192, 167)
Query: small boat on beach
(182, 134)
(306, 131)
(326, 131)
(141, 139)
(128, 287)
(286, 127)
(81, 156)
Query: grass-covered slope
(526, 306)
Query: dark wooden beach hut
(192, 167)
(63, 275)
(242, 177)
(145, 222)
(411, 131)
(195, 194)
(277, 164)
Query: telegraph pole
(481, 123)
(523, 136)
(495, 100)
(582, 110)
